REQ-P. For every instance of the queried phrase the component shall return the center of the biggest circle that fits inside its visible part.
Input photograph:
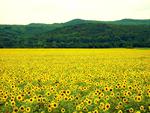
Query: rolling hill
(77, 33)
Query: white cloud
(50, 11)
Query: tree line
(83, 35)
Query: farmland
(74, 80)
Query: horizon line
(78, 19)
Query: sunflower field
(74, 80)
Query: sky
(57, 11)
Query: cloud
(50, 11)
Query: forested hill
(77, 33)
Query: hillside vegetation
(77, 33)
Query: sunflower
(95, 111)
(71, 97)
(131, 110)
(101, 95)
(5, 96)
(106, 88)
(13, 86)
(107, 106)
(66, 98)
(96, 101)
(28, 109)
(89, 102)
(125, 100)
(117, 107)
(106, 97)
(6, 104)
(12, 97)
(38, 100)
(138, 98)
(111, 89)
(31, 100)
(120, 104)
(4, 99)
(43, 100)
(142, 108)
(68, 92)
(48, 93)
(15, 109)
(62, 110)
(112, 94)
(130, 87)
(102, 105)
(85, 109)
(35, 97)
(54, 105)
(51, 89)
(124, 86)
(49, 105)
(120, 111)
(13, 103)
(50, 109)
(78, 107)
(22, 108)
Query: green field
(74, 80)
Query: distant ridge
(133, 22)
(77, 33)
(118, 22)
(126, 21)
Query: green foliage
(77, 33)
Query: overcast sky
(52, 11)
